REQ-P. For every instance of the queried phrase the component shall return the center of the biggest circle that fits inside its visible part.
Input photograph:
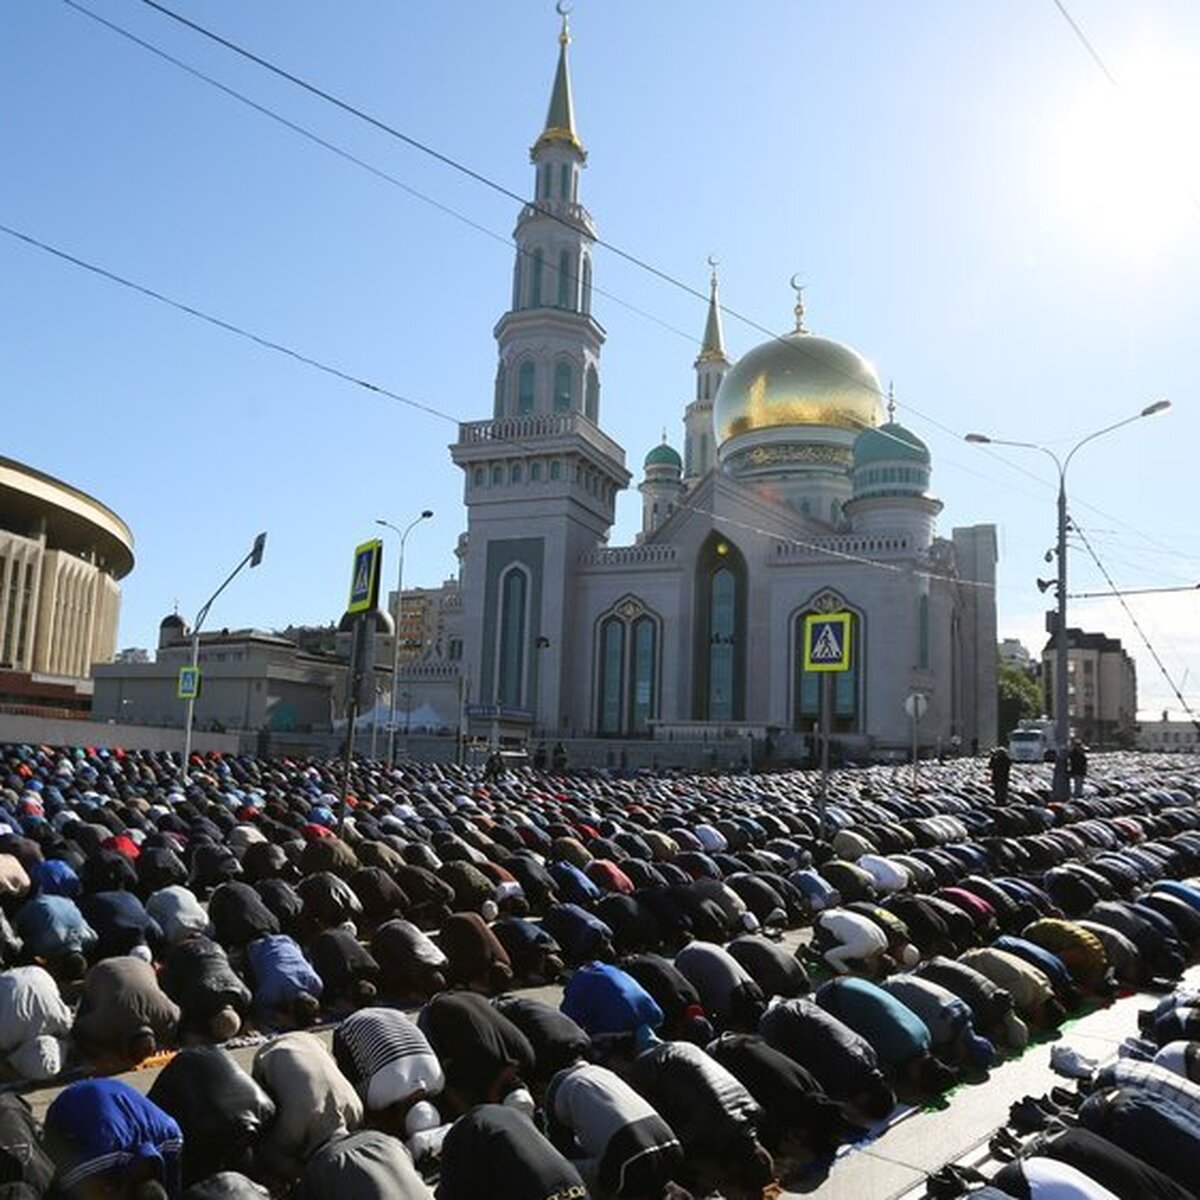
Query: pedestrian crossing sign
(189, 683)
(364, 582)
(827, 642)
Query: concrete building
(62, 555)
(1168, 736)
(798, 492)
(1013, 652)
(250, 681)
(1101, 688)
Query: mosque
(797, 492)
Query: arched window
(586, 302)
(525, 382)
(687, 455)
(704, 454)
(845, 716)
(721, 632)
(555, 469)
(612, 674)
(479, 476)
(923, 633)
(591, 403)
(644, 681)
(566, 280)
(516, 296)
(501, 383)
(562, 387)
(564, 181)
(514, 590)
(514, 473)
(497, 475)
(546, 181)
(535, 472)
(535, 282)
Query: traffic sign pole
(822, 792)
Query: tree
(1019, 697)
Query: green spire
(712, 349)
(560, 117)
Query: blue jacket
(603, 999)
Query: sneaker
(1026, 1117)
(1065, 1098)
(1074, 1064)
(1139, 1049)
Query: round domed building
(797, 492)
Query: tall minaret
(540, 477)
(711, 364)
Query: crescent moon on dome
(796, 287)
(714, 261)
(562, 8)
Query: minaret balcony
(570, 211)
(540, 430)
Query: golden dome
(799, 379)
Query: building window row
(540, 471)
(563, 397)
(563, 282)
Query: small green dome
(664, 456)
(889, 443)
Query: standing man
(1077, 764)
(1000, 764)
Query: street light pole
(403, 536)
(1060, 788)
(251, 560)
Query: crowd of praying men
(146, 919)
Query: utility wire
(455, 165)
(817, 547)
(1137, 625)
(1095, 56)
(636, 260)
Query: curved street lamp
(1062, 729)
(403, 536)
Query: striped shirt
(1149, 1077)
(387, 1057)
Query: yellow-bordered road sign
(364, 582)
(189, 683)
(827, 642)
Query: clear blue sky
(949, 179)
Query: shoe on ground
(1074, 1064)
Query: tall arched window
(591, 402)
(923, 633)
(562, 387)
(704, 454)
(612, 674)
(516, 296)
(525, 382)
(564, 181)
(546, 179)
(644, 679)
(845, 717)
(720, 684)
(627, 670)
(501, 385)
(586, 302)
(514, 592)
(566, 280)
(535, 280)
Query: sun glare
(1128, 161)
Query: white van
(1031, 744)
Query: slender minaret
(711, 364)
(540, 477)
(661, 487)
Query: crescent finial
(798, 288)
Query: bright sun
(1128, 161)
